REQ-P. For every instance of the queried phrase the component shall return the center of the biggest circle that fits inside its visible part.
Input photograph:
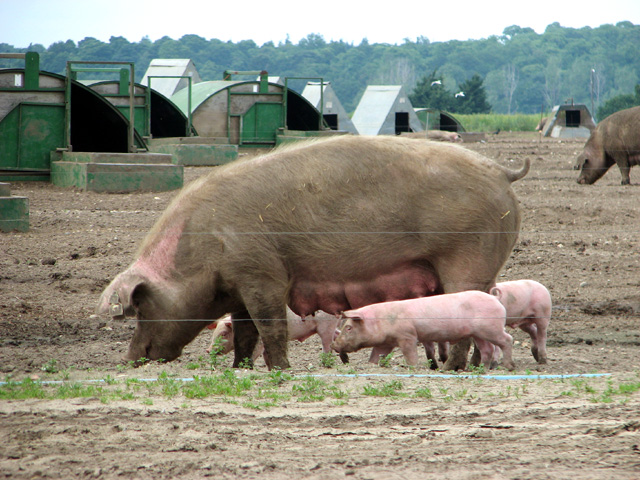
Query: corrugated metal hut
(438, 120)
(247, 112)
(334, 114)
(569, 121)
(34, 123)
(155, 116)
(385, 110)
(172, 73)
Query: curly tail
(513, 176)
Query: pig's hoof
(534, 352)
(510, 366)
(452, 364)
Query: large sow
(330, 225)
(616, 140)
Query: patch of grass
(490, 122)
(327, 360)
(216, 358)
(278, 377)
(310, 389)
(611, 391)
(51, 366)
(168, 386)
(225, 384)
(423, 392)
(477, 370)
(385, 361)
(22, 390)
(78, 390)
(390, 389)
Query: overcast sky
(23, 22)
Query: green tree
(471, 97)
(430, 92)
(618, 103)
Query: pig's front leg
(430, 349)
(409, 350)
(378, 352)
(245, 338)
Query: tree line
(519, 71)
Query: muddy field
(371, 422)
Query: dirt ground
(582, 242)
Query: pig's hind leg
(486, 352)
(505, 342)
(532, 330)
(430, 349)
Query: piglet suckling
(321, 323)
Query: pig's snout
(337, 346)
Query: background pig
(616, 139)
(528, 305)
(323, 324)
(223, 333)
(331, 225)
(441, 136)
(442, 318)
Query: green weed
(22, 390)
(327, 360)
(51, 366)
(423, 392)
(390, 389)
(385, 360)
(310, 389)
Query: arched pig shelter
(32, 122)
(247, 112)
(438, 120)
(155, 115)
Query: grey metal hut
(385, 110)
(171, 73)
(569, 121)
(333, 112)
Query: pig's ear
(356, 319)
(122, 296)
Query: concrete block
(117, 177)
(14, 214)
(198, 155)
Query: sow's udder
(403, 282)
